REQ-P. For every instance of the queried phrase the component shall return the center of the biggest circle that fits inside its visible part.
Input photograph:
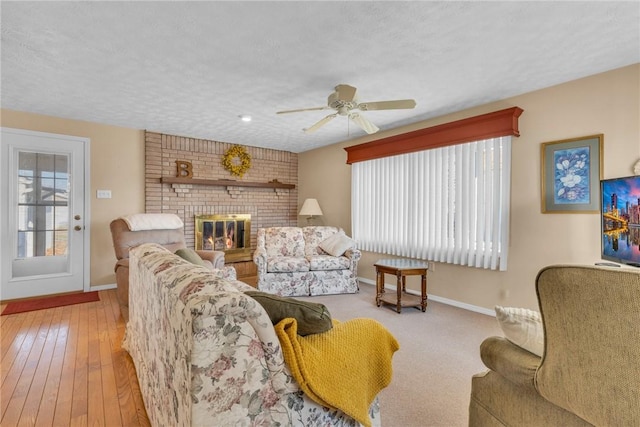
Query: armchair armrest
(124, 262)
(260, 258)
(354, 254)
(226, 272)
(216, 258)
(512, 362)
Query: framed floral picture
(571, 173)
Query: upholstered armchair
(587, 372)
(165, 229)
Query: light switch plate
(103, 194)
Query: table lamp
(312, 208)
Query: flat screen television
(620, 219)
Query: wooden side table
(401, 268)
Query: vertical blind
(447, 204)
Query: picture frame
(571, 170)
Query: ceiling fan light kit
(343, 100)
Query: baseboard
(454, 303)
(103, 287)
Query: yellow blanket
(344, 368)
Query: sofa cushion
(287, 264)
(337, 244)
(312, 318)
(523, 327)
(284, 242)
(191, 256)
(328, 262)
(314, 235)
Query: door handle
(77, 228)
(77, 217)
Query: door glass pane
(44, 243)
(27, 164)
(45, 165)
(26, 214)
(60, 246)
(62, 169)
(47, 190)
(43, 208)
(61, 189)
(27, 190)
(61, 218)
(25, 243)
(43, 218)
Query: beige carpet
(439, 352)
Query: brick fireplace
(269, 196)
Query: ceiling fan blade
(399, 104)
(322, 122)
(346, 93)
(302, 109)
(364, 123)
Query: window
(448, 204)
(43, 208)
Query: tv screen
(620, 219)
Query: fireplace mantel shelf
(225, 182)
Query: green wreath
(236, 160)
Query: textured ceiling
(191, 68)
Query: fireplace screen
(228, 233)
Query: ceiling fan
(344, 101)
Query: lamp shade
(310, 207)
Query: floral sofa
(207, 354)
(299, 261)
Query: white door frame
(4, 189)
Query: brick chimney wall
(267, 206)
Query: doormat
(49, 302)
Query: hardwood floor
(65, 367)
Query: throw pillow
(313, 318)
(191, 256)
(522, 327)
(337, 244)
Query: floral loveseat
(299, 261)
(207, 354)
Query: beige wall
(117, 164)
(607, 103)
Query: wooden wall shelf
(225, 182)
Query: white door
(43, 214)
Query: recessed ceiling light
(245, 118)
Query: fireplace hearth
(229, 233)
